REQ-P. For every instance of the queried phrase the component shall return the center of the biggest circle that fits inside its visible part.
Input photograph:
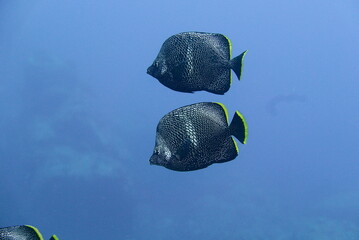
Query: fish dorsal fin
(36, 231)
(226, 48)
(229, 47)
(223, 44)
(224, 110)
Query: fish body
(195, 136)
(22, 232)
(195, 61)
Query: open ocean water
(78, 117)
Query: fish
(196, 136)
(22, 232)
(197, 61)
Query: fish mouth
(150, 70)
(155, 160)
(154, 71)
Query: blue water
(79, 112)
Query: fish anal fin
(229, 151)
(220, 83)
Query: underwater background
(79, 115)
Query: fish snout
(154, 160)
(151, 70)
(157, 159)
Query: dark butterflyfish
(195, 61)
(22, 232)
(195, 136)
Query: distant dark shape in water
(23, 232)
(272, 105)
(49, 84)
(195, 61)
(195, 136)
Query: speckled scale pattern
(205, 126)
(18, 233)
(197, 61)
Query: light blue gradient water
(79, 112)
